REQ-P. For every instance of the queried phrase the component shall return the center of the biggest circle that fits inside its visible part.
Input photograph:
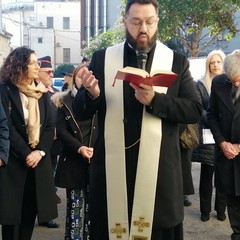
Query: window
(40, 40)
(66, 55)
(31, 18)
(49, 22)
(66, 23)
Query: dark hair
(85, 59)
(15, 67)
(143, 2)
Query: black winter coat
(224, 121)
(4, 135)
(179, 105)
(188, 188)
(13, 175)
(204, 153)
(72, 167)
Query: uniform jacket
(4, 134)
(72, 167)
(224, 121)
(204, 153)
(179, 105)
(13, 175)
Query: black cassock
(133, 110)
(168, 214)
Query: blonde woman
(205, 152)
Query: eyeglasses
(150, 22)
(48, 72)
(37, 64)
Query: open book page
(135, 71)
(163, 72)
(138, 76)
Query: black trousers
(206, 190)
(29, 211)
(233, 207)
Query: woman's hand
(33, 158)
(87, 152)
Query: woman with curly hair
(26, 181)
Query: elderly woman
(26, 182)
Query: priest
(136, 179)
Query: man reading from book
(136, 179)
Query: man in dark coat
(4, 137)
(224, 120)
(45, 77)
(129, 158)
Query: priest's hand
(90, 82)
(143, 93)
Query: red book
(137, 76)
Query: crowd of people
(116, 149)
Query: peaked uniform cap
(45, 62)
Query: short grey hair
(231, 64)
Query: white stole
(149, 152)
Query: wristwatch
(42, 153)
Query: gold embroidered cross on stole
(138, 229)
(141, 224)
(118, 230)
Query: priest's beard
(137, 45)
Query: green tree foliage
(186, 20)
(109, 38)
(62, 69)
(189, 26)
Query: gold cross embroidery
(141, 224)
(118, 230)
